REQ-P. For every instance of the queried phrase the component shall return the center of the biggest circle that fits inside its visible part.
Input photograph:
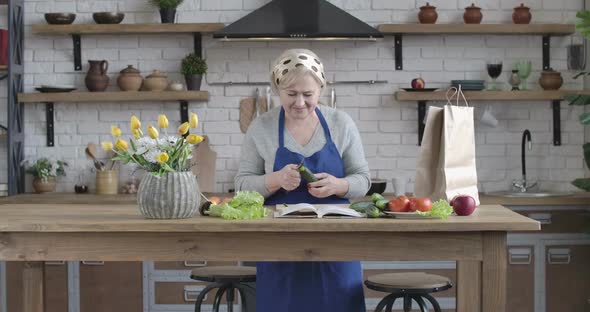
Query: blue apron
(309, 286)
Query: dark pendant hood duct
(298, 19)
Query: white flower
(145, 144)
(168, 140)
(152, 155)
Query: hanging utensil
(333, 98)
(268, 104)
(256, 95)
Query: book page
(332, 210)
(296, 210)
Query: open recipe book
(304, 210)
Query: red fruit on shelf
(418, 83)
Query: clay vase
(44, 186)
(129, 79)
(550, 80)
(472, 15)
(155, 82)
(521, 15)
(96, 78)
(427, 14)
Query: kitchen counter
(579, 199)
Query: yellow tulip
(153, 132)
(183, 128)
(107, 146)
(162, 121)
(121, 145)
(194, 120)
(194, 139)
(135, 123)
(135, 133)
(116, 131)
(162, 158)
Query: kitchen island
(75, 228)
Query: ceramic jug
(96, 78)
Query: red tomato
(423, 204)
(225, 200)
(399, 204)
(214, 200)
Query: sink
(536, 194)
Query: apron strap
(281, 128)
(324, 125)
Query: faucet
(523, 186)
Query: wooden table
(35, 233)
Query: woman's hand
(327, 185)
(287, 178)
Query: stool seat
(240, 274)
(409, 280)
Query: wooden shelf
(80, 29)
(115, 96)
(3, 67)
(489, 95)
(492, 29)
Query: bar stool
(227, 279)
(410, 286)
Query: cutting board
(203, 165)
(247, 113)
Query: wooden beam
(33, 287)
(494, 271)
(468, 286)
(126, 28)
(491, 29)
(114, 96)
(489, 95)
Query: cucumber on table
(377, 197)
(361, 206)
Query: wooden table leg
(33, 286)
(494, 272)
(468, 286)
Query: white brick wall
(388, 128)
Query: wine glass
(524, 71)
(494, 70)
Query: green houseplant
(193, 67)
(44, 172)
(583, 27)
(167, 9)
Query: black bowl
(377, 186)
(60, 18)
(108, 17)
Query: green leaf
(578, 99)
(583, 184)
(585, 118)
(586, 148)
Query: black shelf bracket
(49, 122)
(421, 124)
(556, 122)
(546, 52)
(399, 63)
(183, 111)
(198, 41)
(77, 52)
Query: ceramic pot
(550, 80)
(107, 182)
(174, 195)
(472, 15)
(167, 16)
(156, 81)
(193, 82)
(96, 78)
(175, 86)
(44, 185)
(129, 79)
(427, 14)
(521, 15)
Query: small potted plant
(167, 9)
(193, 67)
(45, 172)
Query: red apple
(418, 83)
(463, 205)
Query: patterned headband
(294, 61)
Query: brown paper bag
(446, 165)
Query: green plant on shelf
(583, 27)
(192, 64)
(166, 4)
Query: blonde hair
(294, 64)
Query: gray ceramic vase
(174, 195)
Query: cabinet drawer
(567, 278)
(521, 279)
(559, 221)
(184, 293)
(450, 273)
(189, 265)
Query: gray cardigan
(262, 141)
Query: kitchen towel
(446, 165)
(203, 166)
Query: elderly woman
(327, 142)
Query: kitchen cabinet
(567, 278)
(111, 286)
(521, 279)
(56, 290)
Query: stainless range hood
(298, 20)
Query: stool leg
(247, 291)
(229, 295)
(217, 299)
(407, 303)
(421, 303)
(202, 295)
(388, 299)
(433, 302)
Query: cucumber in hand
(306, 174)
